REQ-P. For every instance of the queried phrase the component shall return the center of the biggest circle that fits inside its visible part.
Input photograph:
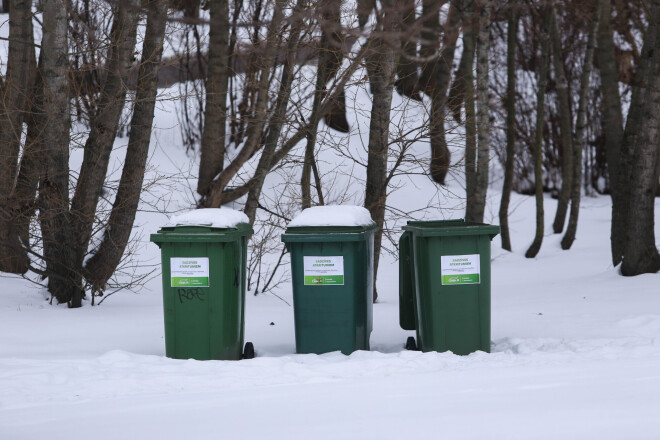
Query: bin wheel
(411, 344)
(248, 351)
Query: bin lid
(451, 228)
(330, 223)
(205, 225)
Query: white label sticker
(323, 271)
(189, 272)
(460, 269)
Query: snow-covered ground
(576, 353)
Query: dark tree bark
(381, 70)
(566, 126)
(510, 104)
(612, 121)
(470, 111)
(456, 96)
(538, 141)
(64, 282)
(364, 8)
(215, 111)
(581, 132)
(478, 202)
(639, 156)
(329, 61)
(230, 195)
(257, 123)
(429, 47)
(332, 55)
(15, 101)
(407, 83)
(103, 129)
(276, 121)
(23, 199)
(103, 263)
(436, 77)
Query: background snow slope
(576, 352)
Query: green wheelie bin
(332, 276)
(444, 285)
(203, 256)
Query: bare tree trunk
(470, 112)
(255, 126)
(15, 100)
(538, 141)
(640, 155)
(215, 111)
(329, 61)
(16, 88)
(456, 96)
(103, 263)
(363, 9)
(381, 69)
(407, 83)
(429, 47)
(483, 117)
(103, 130)
(308, 162)
(23, 199)
(581, 132)
(64, 283)
(229, 195)
(565, 122)
(276, 121)
(657, 173)
(440, 155)
(332, 45)
(512, 39)
(612, 123)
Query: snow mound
(336, 215)
(214, 217)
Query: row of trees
(541, 85)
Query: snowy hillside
(576, 351)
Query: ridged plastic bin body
(452, 318)
(332, 317)
(205, 323)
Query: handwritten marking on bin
(191, 294)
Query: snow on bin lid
(214, 217)
(336, 215)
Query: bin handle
(199, 224)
